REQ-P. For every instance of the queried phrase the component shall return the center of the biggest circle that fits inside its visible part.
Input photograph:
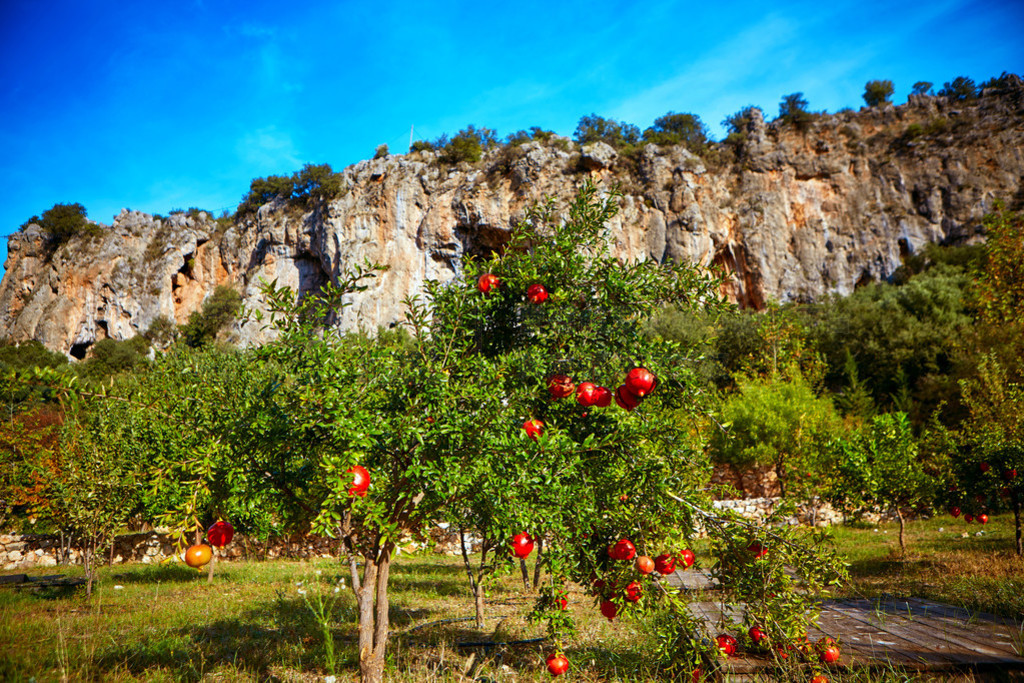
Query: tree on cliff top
(877, 92)
(62, 222)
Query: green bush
(218, 311)
(422, 146)
(736, 125)
(62, 222)
(596, 128)
(679, 129)
(109, 357)
(263, 190)
(922, 88)
(161, 332)
(27, 355)
(468, 145)
(381, 152)
(960, 89)
(793, 110)
(877, 92)
(314, 184)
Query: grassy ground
(968, 565)
(163, 623)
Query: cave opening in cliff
(312, 276)
(79, 350)
(481, 241)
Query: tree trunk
(526, 573)
(374, 619)
(903, 543)
(478, 595)
(476, 580)
(1016, 524)
(209, 572)
(537, 565)
(88, 550)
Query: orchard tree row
(547, 403)
(526, 402)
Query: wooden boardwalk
(908, 633)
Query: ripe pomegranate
(726, 644)
(640, 382)
(487, 283)
(625, 399)
(644, 564)
(198, 555)
(560, 386)
(534, 428)
(557, 664)
(360, 480)
(586, 394)
(220, 534)
(536, 294)
(522, 545)
(623, 550)
(665, 564)
(830, 655)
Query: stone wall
(23, 551)
(811, 513)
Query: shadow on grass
(163, 573)
(275, 634)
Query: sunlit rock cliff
(790, 214)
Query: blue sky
(162, 105)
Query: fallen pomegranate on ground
(557, 664)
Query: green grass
(946, 560)
(166, 623)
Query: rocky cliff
(791, 214)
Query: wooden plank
(690, 579)
(979, 631)
(920, 635)
(959, 613)
(863, 645)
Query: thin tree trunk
(1016, 524)
(213, 558)
(475, 581)
(537, 565)
(478, 601)
(87, 561)
(526, 573)
(903, 543)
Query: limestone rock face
(789, 214)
